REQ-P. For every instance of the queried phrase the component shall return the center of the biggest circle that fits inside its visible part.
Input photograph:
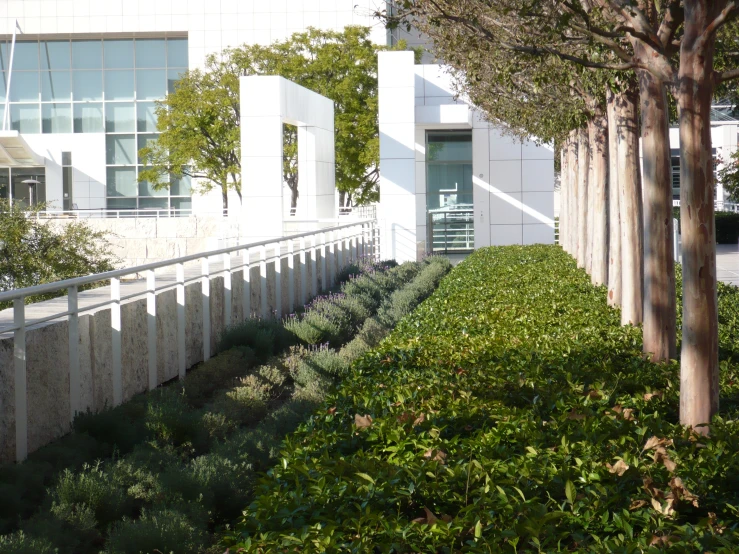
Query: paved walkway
(727, 263)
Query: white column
(397, 211)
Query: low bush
(511, 412)
(163, 531)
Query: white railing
(359, 212)
(324, 252)
(121, 214)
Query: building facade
(86, 75)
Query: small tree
(33, 251)
(199, 122)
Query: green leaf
(570, 491)
(366, 477)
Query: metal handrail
(345, 243)
(113, 213)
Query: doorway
(449, 207)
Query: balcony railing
(451, 231)
(301, 265)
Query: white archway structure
(266, 103)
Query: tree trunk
(659, 265)
(590, 212)
(614, 213)
(699, 377)
(224, 198)
(583, 155)
(599, 190)
(632, 246)
(572, 229)
(563, 196)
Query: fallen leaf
(665, 540)
(436, 455)
(660, 456)
(667, 510)
(680, 492)
(362, 422)
(619, 468)
(636, 504)
(651, 489)
(404, 417)
(628, 414)
(654, 442)
(460, 371)
(656, 394)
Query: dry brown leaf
(654, 442)
(628, 414)
(428, 519)
(362, 422)
(668, 510)
(680, 492)
(636, 504)
(660, 456)
(651, 489)
(446, 518)
(420, 419)
(436, 455)
(665, 540)
(619, 468)
(595, 394)
(332, 410)
(656, 394)
(575, 415)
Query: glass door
(449, 208)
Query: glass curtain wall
(449, 191)
(99, 86)
(25, 186)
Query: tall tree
(199, 121)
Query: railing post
(21, 400)
(151, 327)
(115, 335)
(303, 273)
(355, 242)
(246, 285)
(278, 280)
(324, 265)
(205, 297)
(263, 281)
(290, 276)
(314, 266)
(227, 307)
(181, 352)
(73, 323)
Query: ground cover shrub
(191, 451)
(510, 412)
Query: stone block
(167, 363)
(101, 360)
(134, 348)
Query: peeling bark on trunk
(572, 228)
(699, 377)
(563, 196)
(659, 265)
(599, 189)
(630, 203)
(614, 212)
(583, 155)
(590, 213)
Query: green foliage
(19, 543)
(199, 122)
(164, 531)
(510, 412)
(33, 251)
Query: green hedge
(511, 412)
(727, 226)
(180, 462)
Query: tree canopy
(199, 121)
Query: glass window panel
(4, 180)
(120, 117)
(120, 149)
(121, 181)
(181, 203)
(121, 203)
(119, 84)
(449, 147)
(55, 54)
(173, 75)
(150, 84)
(150, 53)
(118, 53)
(87, 85)
(25, 55)
(87, 54)
(177, 52)
(180, 186)
(146, 189)
(88, 118)
(56, 118)
(146, 140)
(153, 203)
(24, 86)
(4, 55)
(25, 118)
(3, 85)
(146, 116)
(56, 85)
(66, 158)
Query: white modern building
(86, 74)
(449, 180)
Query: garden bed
(180, 462)
(510, 413)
